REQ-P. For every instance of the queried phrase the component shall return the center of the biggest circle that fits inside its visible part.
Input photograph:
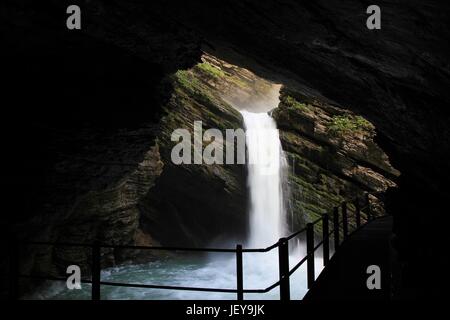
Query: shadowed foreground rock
(62, 131)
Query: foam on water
(266, 162)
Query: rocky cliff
(396, 77)
(194, 204)
(331, 152)
(332, 157)
(129, 191)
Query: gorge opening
(304, 157)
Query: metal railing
(283, 256)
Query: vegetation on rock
(293, 104)
(324, 171)
(349, 124)
(186, 195)
(190, 83)
(211, 70)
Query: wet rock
(331, 154)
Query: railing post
(326, 240)
(96, 271)
(239, 273)
(344, 219)
(13, 269)
(283, 266)
(336, 227)
(357, 213)
(310, 254)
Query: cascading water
(267, 224)
(265, 164)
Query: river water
(266, 162)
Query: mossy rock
(341, 125)
(210, 70)
(293, 104)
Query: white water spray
(265, 164)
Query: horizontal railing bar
(150, 286)
(147, 286)
(304, 259)
(276, 284)
(270, 288)
(64, 244)
(118, 284)
(163, 248)
(298, 265)
(255, 250)
(168, 248)
(295, 234)
(254, 291)
(318, 245)
(276, 244)
(70, 244)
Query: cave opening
(328, 155)
(82, 152)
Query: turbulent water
(265, 164)
(267, 224)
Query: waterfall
(266, 161)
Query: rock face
(331, 152)
(83, 114)
(152, 201)
(106, 206)
(332, 156)
(194, 204)
(397, 78)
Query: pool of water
(213, 271)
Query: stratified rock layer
(331, 155)
(194, 204)
(397, 77)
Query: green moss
(187, 82)
(193, 99)
(210, 70)
(218, 74)
(293, 104)
(348, 124)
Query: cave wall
(82, 111)
(196, 204)
(332, 158)
(397, 77)
(331, 153)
